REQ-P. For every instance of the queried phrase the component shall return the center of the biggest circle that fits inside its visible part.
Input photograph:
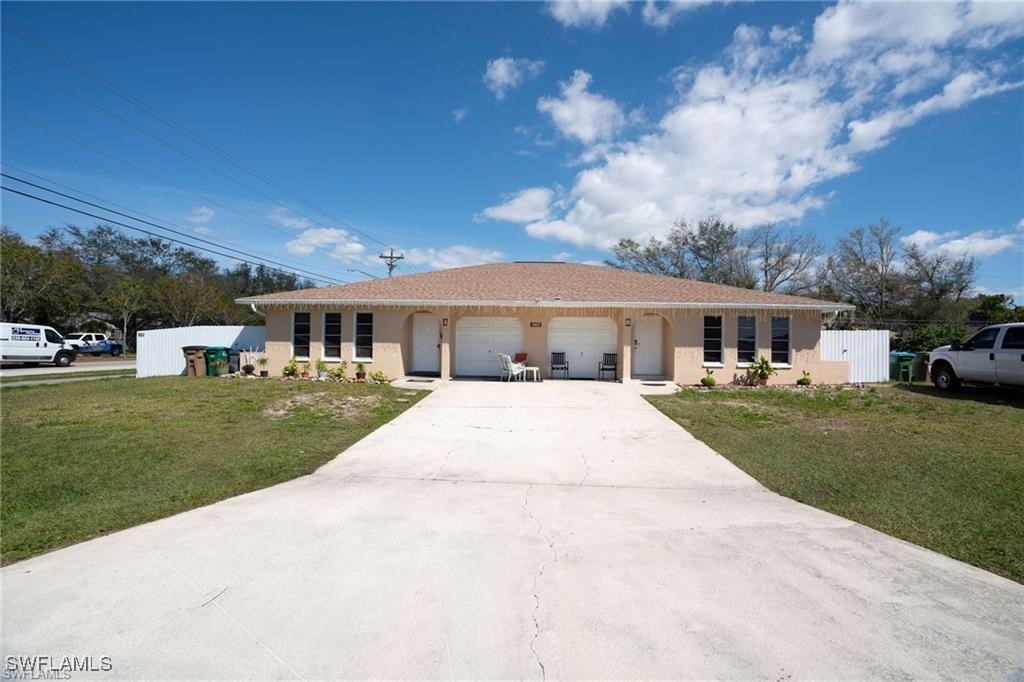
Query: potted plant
(760, 371)
(248, 369)
(305, 370)
(708, 379)
(805, 379)
(221, 367)
(360, 372)
(262, 362)
(291, 370)
(321, 369)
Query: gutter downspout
(252, 306)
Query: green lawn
(945, 471)
(87, 458)
(21, 378)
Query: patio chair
(609, 363)
(509, 370)
(559, 364)
(521, 358)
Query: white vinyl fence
(158, 351)
(867, 351)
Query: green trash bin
(901, 366)
(217, 359)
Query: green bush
(291, 369)
(805, 379)
(759, 373)
(708, 379)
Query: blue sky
(472, 132)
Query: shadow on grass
(991, 395)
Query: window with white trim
(300, 335)
(746, 338)
(780, 341)
(332, 336)
(364, 336)
(713, 338)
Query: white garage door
(583, 340)
(478, 340)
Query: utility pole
(391, 260)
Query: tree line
(98, 279)
(924, 296)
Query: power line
(217, 242)
(138, 229)
(323, 278)
(167, 120)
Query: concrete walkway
(558, 530)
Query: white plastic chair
(510, 370)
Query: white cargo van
(34, 343)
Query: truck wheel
(115, 352)
(95, 355)
(944, 379)
(62, 360)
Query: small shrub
(291, 369)
(760, 371)
(340, 372)
(248, 369)
(708, 379)
(805, 379)
(379, 377)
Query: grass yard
(87, 458)
(942, 471)
(106, 373)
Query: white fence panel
(158, 351)
(866, 350)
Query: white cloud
(664, 14)
(753, 135)
(979, 244)
(561, 256)
(203, 214)
(338, 243)
(286, 218)
(584, 13)
(202, 229)
(505, 74)
(460, 114)
(524, 206)
(579, 113)
(456, 256)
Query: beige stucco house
(454, 323)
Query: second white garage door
(583, 340)
(478, 340)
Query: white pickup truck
(995, 355)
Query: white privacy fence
(158, 351)
(866, 350)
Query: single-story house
(454, 323)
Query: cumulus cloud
(582, 114)
(338, 244)
(505, 74)
(752, 135)
(285, 218)
(198, 216)
(455, 256)
(460, 114)
(664, 14)
(980, 244)
(202, 229)
(584, 13)
(524, 206)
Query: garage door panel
(583, 340)
(479, 340)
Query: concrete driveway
(558, 530)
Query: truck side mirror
(956, 345)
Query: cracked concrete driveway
(565, 530)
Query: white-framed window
(363, 336)
(300, 335)
(780, 341)
(332, 336)
(746, 339)
(712, 339)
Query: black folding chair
(609, 363)
(559, 364)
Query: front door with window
(647, 346)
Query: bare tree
(864, 270)
(938, 281)
(785, 261)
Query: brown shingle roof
(551, 284)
